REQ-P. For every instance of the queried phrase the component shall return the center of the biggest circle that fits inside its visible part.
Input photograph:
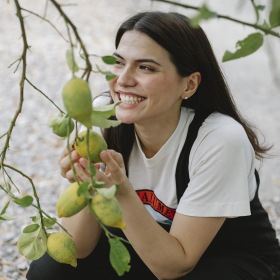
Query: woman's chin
(125, 119)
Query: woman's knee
(47, 268)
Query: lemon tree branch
(44, 95)
(43, 18)
(256, 26)
(68, 21)
(35, 194)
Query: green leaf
(105, 111)
(98, 184)
(49, 222)
(60, 124)
(266, 26)
(204, 14)
(260, 7)
(110, 77)
(109, 59)
(6, 217)
(82, 55)
(25, 201)
(9, 187)
(119, 256)
(30, 228)
(104, 123)
(71, 62)
(33, 245)
(83, 189)
(5, 208)
(274, 17)
(107, 192)
(36, 219)
(108, 74)
(246, 47)
(118, 187)
(92, 170)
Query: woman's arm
(168, 255)
(85, 231)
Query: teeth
(130, 99)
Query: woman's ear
(192, 82)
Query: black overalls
(245, 248)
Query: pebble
(34, 149)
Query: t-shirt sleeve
(219, 175)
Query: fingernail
(74, 154)
(83, 161)
(77, 166)
(103, 154)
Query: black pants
(224, 266)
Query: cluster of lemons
(77, 101)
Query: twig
(33, 187)
(11, 179)
(34, 205)
(43, 18)
(256, 26)
(46, 8)
(23, 77)
(44, 95)
(4, 135)
(89, 66)
(23, 56)
(15, 62)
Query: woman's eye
(118, 62)
(144, 67)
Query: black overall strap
(182, 170)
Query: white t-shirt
(221, 170)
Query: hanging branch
(43, 18)
(68, 21)
(23, 58)
(256, 26)
(44, 95)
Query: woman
(190, 156)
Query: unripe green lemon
(62, 248)
(96, 145)
(69, 203)
(108, 211)
(77, 100)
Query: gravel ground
(34, 149)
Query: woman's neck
(153, 135)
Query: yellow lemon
(108, 211)
(62, 248)
(96, 145)
(77, 100)
(69, 203)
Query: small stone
(14, 275)
(22, 265)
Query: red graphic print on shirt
(148, 197)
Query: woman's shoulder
(224, 127)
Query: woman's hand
(65, 164)
(115, 170)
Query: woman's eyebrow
(138, 60)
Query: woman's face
(147, 82)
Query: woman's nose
(126, 78)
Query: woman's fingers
(113, 169)
(65, 164)
(70, 176)
(65, 152)
(117, 157)
(81, 172)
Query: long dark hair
(190, 51)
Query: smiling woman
(185, 161)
